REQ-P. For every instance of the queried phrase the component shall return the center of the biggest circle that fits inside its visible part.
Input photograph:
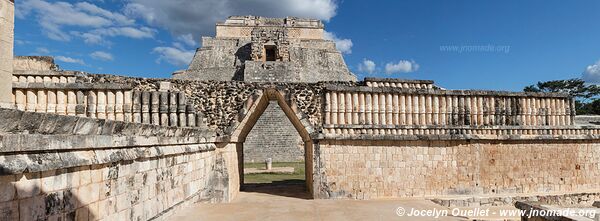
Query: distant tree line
(587, 96)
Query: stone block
(9, 210)
(89, 193)
(73, 178)
(138, 212)
(10, 120)
(80, 159)
(124, 215)
(123, 202)
(32, 209)
(87, 126)
(93, 211)
(82, 214)
(71, 199)
(54, 180)
(164, 86)
(55, 203)
(7, 188)
(43, 161)
(28, 185)
(106, 207)
(57, 124)
(97, 173)
(30, 122)
(85, 176)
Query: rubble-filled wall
(7, 16)
(56, 167)
(221, 102)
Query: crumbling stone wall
(71, 168)
(34, 63)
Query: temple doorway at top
(275, 155)
(270, 52)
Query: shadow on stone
(294, 188)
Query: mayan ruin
(277, 93)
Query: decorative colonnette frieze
(389, 110)
(61, 93)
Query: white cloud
(93, 23)
(402, 66)
(592, 73)
(95, 10)
(131, 32)
(175, 56)
(188, 39)
(198, 17)
(367, 66)
(343, 45)
(90, 38)
(101, 55)
(98, 36)
(69, 60)
(52, 16)
(21, 42)
(41, 51)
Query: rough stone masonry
(80, 146)
(240, 51)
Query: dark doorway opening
(270, 52)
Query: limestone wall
(71, 168)
(7, 16)
(396, 168)
(229, 172)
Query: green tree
(586, 95)
(590, 108)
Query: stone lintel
(453, 137)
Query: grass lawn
(298, 174)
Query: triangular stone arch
(249, 115)
(256, 106)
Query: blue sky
(500, 45)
